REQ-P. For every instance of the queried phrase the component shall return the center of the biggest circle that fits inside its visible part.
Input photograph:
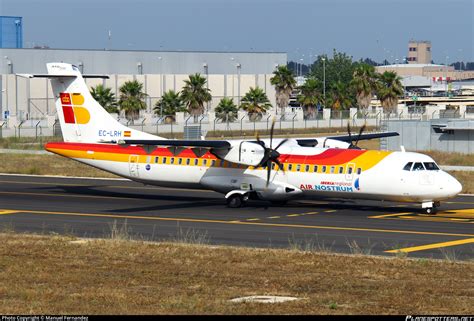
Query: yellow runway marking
(390, 215)
(6, 212)
(458, 216)
(330, 211)
(311, 213)
(339, 228)
(253, 219)
(432, 246)
(274, 217)
(293, 215)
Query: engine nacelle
(245, 153)
(333, 143)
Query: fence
(238, 123)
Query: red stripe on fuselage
(328, 157)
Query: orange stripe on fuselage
(112, 152)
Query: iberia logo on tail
(73, 111)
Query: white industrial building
(229, 74)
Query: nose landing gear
(430, 208)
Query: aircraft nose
(454, 187)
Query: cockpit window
(418, 167)
(430, 166)
(408, 166)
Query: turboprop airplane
(241, 169)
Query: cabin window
(273, 166)
(188, 161)
(408, 166)
(359, 171)
(204, 162)
(196, 161)
(431, 166)
(180, 161)
(332, 169)
(290, 166)
(222, 163)
(172, 160)
(323, 169)
(213, 162)
(298, 167)
(315, 168)
(306, 168)
(164, 160)
(418, 167)
(157, 160)
(341, 169)
(349, 170)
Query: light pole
(239, 66)
(206, 71)
(233, 76)
(446, 76)
(160, 59)
(324, 81)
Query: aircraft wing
(220, 144)
(311, 142)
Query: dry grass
(52, 275)
(466, 179)
(454, 159)
(47, 165)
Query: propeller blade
(280, 165)
(281, 143)
(269, 171)
(271, 132)
(360, 134)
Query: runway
(89, 208)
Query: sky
(378, 29)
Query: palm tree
(255, 103)
(132, 99)
(310, 96)
(389, 88)
(169, 104)
(284, 83)
(105, 97)
(339, 96)
(364, 82)
(195, 94)
(226, 110)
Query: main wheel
(235, 201)
(429, 210)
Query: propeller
(352, 145)
(270, 154)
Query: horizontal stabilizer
(61, 76)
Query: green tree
(284, 83)
(226, 110)
(364, 84)
(255, 103)
(132, 99)
(105, 97)
(195, 94)
(339, 96)
(338, 68)
(310, 95)
(168, 105)
(389, 89)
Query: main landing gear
(237, 199)
(430, 208)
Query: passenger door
(134, 165)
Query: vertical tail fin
(81, 117)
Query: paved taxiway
(89, 207)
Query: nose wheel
(430, 208)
